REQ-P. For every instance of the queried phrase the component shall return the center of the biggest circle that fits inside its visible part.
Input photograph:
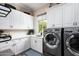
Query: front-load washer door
(51, 40)
(72, 43)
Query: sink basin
(39, 35)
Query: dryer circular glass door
(72, 43)
(51, 40)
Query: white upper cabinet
(71, 15)
(76, 7)
(64, 15)
(16, 20)
(50, 15)
(21, 20)
(55, 16)
(4, 23)
(58, 17)
(68, 15)
(28, 21)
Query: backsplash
(16, 33)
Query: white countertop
(27, 36)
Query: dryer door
(72, 43)
(51, 40)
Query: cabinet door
(51, 18)
(13, 46)
(17, 19)
(39, 45)
(26, 42)
(55, 16)
(16, 46)
(68, 15)
(19, 47)
(36, 44)
(33, 43)
(5, 22)
(76, 14)
(58, 16)
(4, 46)
(28, 21)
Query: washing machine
(52, 42)
(71, 41)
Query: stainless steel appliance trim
(68, 46)
(52, 46)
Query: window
(42, 23)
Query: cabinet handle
(74, 23)
(6, 42)
(35, 41)
(53, 25)
(14, 44)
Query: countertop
(28, 36)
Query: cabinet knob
(53, 25)
(35, 41)
(11, 26)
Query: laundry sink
(39, 35)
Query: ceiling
(29, 6)
(34, 6)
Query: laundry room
(39, 29)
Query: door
(72, 44)
(17, 19)
(51, 40)
(36, 44)
(33, 43)
(51, 17)
(39, 44)
(68, 15)
(58, 16)
(3, 46)
(30, 22)
(26, 42)
(5, 22)
(17, 46)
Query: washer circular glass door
(51, 40)
(72, 43)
